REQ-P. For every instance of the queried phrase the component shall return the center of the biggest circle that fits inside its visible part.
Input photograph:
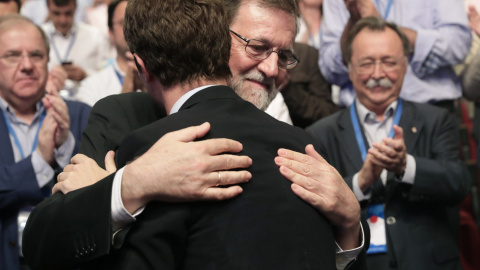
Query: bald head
(15, 20)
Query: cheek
(282, 74)
(240, 62)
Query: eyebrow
(266, 41)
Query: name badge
(376, 222)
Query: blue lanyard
(14, 135)
(72, 41)
(387, 10)
(358, 131)
(120, 77)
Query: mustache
(383, 82)
(259, 77)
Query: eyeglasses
(15, 57)
(260, 50)
(367, 67)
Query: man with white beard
(400, 158)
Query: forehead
(119, 12)
(271, 25)
(376, 44)
(18, 36)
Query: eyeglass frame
(268, 52)
(381, 62)
(9, 54)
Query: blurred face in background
(8, 7)
(116, 33)
(62, 16)
(23, 64)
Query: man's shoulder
(424, 110)
(77, 105)
(135, 105)
(329, 122)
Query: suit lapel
(5, 144)
(411, 126)
(347, 141)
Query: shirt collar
(55, 32)
(8, 111)
(185, 97)
(366, 115)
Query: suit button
(393, 263)
(391, 220)
(12, 244)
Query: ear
(142, 70)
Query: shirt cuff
(120, 216)
(64, 153)
(358, 192)
(43, 172)
(410, 169)
(344, 257)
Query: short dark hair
(179, 41)
(10, 20)
(374, 24)
(19, 4)
(61, 3)
(289, 6)
(111, 10)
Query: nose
(378, 71)
(269, 66)
(26, 63)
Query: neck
(26, 114)
(122, 63)
(168, 96)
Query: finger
(61, 177)
(308, 196)
(397, 145)
(56, 188)
(69, 168)
(295, 156)
(218, 146)
(80, 158)
(228, 178)
(219, 194)
(191, 133)
(228, 162)
(384, 149)
(110, 162)
(310, 150)
(297, 167)
(62, 122)
(398, 132)
(380, 156)
(299, 179)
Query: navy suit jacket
(424, 227)
(19, 187)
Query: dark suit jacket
(424, 229)
(19, 187)
(112, 118)
(266, 227)
(85, 236)
(307, 94)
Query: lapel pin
(414, 129)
